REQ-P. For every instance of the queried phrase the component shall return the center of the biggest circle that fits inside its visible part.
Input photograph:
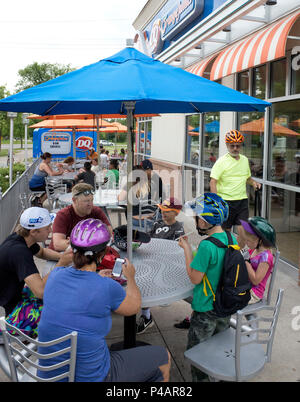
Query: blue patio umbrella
(126, 83)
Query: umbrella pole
(129, 106)
(74, 146)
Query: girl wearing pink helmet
(77, 298)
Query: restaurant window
(192, 139)
(259, 82)
(206, 182)
(191, 183)
(278, 78)
(295, 74)
(284, 215)
(243, 82)
(285, 143)
(145, 134)
(210, 139)
(252, 125)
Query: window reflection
(295, 65)
(284, 213)
(211, 138)
(259, 82)
(252, 125)
(191, 183)
(285, 143)
(192, 140)
(243, 82)
(278, 78)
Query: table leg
(129, 336)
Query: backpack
(233, 291)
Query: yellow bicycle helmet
(234, 136)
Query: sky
(76, 32)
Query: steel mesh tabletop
(161, 273)
(101, 198)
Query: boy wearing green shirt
(210, 212)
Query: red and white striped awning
(199, 68)
(265, 45)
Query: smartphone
(117, 269)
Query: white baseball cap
(36, 218)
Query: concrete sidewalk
(285, 364)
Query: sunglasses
(85, 192)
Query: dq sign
(174, 16)
(84, 143)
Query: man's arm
(213, 185)
(253, 183)
(60, 241)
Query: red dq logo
(84, 143)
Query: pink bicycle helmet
(89, 235)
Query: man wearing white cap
(17, 268)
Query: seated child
(260, 237)
(87, 176)
(168, 227)
(165, 228)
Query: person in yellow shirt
(229, 177)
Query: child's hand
(183, 242)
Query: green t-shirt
(231, 175)
(209, 259)
(113, 178)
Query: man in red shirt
(81, 208)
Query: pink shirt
(265, 256)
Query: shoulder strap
(229, 237)
(216, 242)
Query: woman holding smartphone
(77, 298)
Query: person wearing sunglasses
(228, 179)
(81, 208)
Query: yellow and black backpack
(233, 291)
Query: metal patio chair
(19, 358)
(236, 355)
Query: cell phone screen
(117, 269)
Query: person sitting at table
(167, 228)
(154, 181)
(82, 208)
(111, 178)
(37, 181)
(92, 154)
(67, 164)
(87, 176)
(140, 193)
(85, 303)
(95, 166)
(21, 286)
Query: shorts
(40, 188)
(138, 364)
(238, 209)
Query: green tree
(4, 121)
(35, 74)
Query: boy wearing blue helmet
(204, 270)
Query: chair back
(23, 357)
(272, 277)
(261, 330)
(54, 188)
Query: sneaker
(143, 324)
(184, 324)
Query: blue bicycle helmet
(210, 207)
